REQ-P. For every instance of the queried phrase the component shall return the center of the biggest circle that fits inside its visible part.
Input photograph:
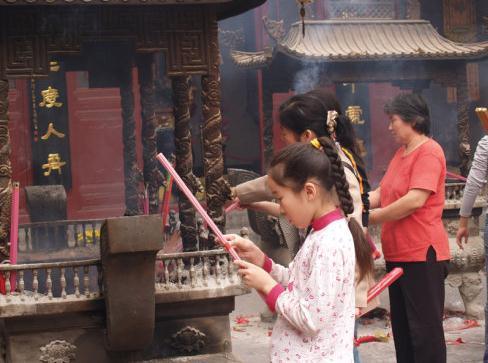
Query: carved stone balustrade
(207, 274)
(59, 307)
(35, 237)
(35, 293)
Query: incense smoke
(307, 78)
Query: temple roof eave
(225, 8)
(366, 41)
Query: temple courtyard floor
(251, 336)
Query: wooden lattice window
(368, 9)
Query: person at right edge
(409, 202)
(476, 180)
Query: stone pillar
(128, 252)
(217, 189)
(184, 159)
(132, 174)
(463, 120)
(5, 172)
(152, 176)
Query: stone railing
(59, 234)
(206, 274)
(454, 195)
(180, 276)
(40, 288)
(178, 304)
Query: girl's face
(290, 137)
(401, 131)
(297, 207)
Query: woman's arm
(401, 208)
(255, 190)
(265, 207)
(374, 198)
(476, 178)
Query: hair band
(316, 143)
(331, 122)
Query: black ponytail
(361, 245)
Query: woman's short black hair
(412, 109)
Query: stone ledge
(204, 358)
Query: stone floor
(250, 340)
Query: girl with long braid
(314, 296)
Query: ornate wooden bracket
(29, 35)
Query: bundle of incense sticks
(455, 176)
(374, 251)
(14, 230)
(482, 113)
(167, 198)
(181, 184)
(386, 281)
(231, 207)
(145, 204)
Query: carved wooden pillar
(184, 159)
(5, 172)
(217, 189)
(132, 174)
(152, 176)
(463, 120)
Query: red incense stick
(231, 207)
(166, 199)
(455, 176)
(181, 184)
(374, 251)
(14, 231)
(386, 281)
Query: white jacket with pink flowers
(316, 307)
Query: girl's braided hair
(296, 164)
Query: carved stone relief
(5, 172)
(58, 351)
(188, 340)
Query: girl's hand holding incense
(246, 249)
(255, 277)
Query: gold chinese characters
(52, 131)
(49, 97)
(355, 114)
(53, 163)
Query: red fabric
(268, 264)
(3, 290)
(408, 239)
(273, 296)
(325, 220)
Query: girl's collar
(326, 219)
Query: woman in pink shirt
(411, 200)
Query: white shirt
(316, 311)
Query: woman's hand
(255, 277)
(462, 232)
(246, 249)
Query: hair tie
(316, 143)
(331, 121)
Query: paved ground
(250, 340)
